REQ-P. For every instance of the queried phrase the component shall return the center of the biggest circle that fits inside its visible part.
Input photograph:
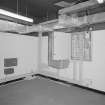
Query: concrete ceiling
(39, 10)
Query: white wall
(61, 45)
(93, 71)
(61, 49)
(24, 48)
(44, 53)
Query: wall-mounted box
(9, 62)
(8, 71)
(81, 46)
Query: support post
(81, 71)
(39, 50)
(74, 71)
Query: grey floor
(46, 92)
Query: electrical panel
(81, 46)
(8, 71)
(8, 62)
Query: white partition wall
(61, 45)
(25, 49)
(66, 73)
(93, 71)
(22, 47)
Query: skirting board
(70, 83)
(51, 78)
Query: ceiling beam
(78, 7)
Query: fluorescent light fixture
(13, 15)
(100, 1)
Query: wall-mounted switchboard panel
(9, 62)
(81, 46)
(8, 71)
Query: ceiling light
(17, 16)
(100, 1)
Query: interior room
(52, 52)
